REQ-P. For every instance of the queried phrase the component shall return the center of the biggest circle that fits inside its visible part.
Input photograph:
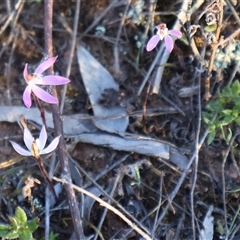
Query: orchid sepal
(163, 33)
(37, 78)
(35, 146)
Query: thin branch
(195, 171)
(235, 14)
(99, 227)
(58, 126)
(113, 200)
(228, 39)
(214, 51)
(106, 205)
(73, 41)
(8, 6)
(116, 50)
(194, 180)
(224, 183)
(9, 66)
(154, 63)
(17, 9)
(47, 214)
(184, 174)
(111, 5)
(160, 202)
(152, 13)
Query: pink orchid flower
(163, 33)
(36, 78)
(35, 147)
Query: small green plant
(226, 108)
(53, 236)
(137, 180)
(227, 55)
(19, 227)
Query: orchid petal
(45, 65)
(54, 80)
(25, 72)
(175, 33)
(51, 147)
(20, 150)
(43, 95)
(169, 43)
(152, 43)
(28, 139)
(42, 138)
(27, 96)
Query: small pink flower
(163, 33)
(37, 78)
(35, 147)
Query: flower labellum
(35, 147)
(163, 33)
(36, 78)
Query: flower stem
(41, 109)
(45, 175)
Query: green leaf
(211, 137)
(33, 224)
(4, 229)
(14, 223)
(26, 234)
(225, 100)
(207, 117)
(220, 227)
(229, 136)
(236, 110)
(227, 120)
(215, 106)
(235, 88)
(236, 100)
(227, 92)
(53, 236)
(210, 28)
(227, 112)
(223, 132)
(3, 234)
(212, 127)
(12, 235)
(237, 120)
(20, 215)
(235, 114)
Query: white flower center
(34, 78)
(162, 30)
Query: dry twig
(106, 205)
(214, 50)
(58, 126)
(73, 45)
(224, 183)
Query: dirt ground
(192, 195)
